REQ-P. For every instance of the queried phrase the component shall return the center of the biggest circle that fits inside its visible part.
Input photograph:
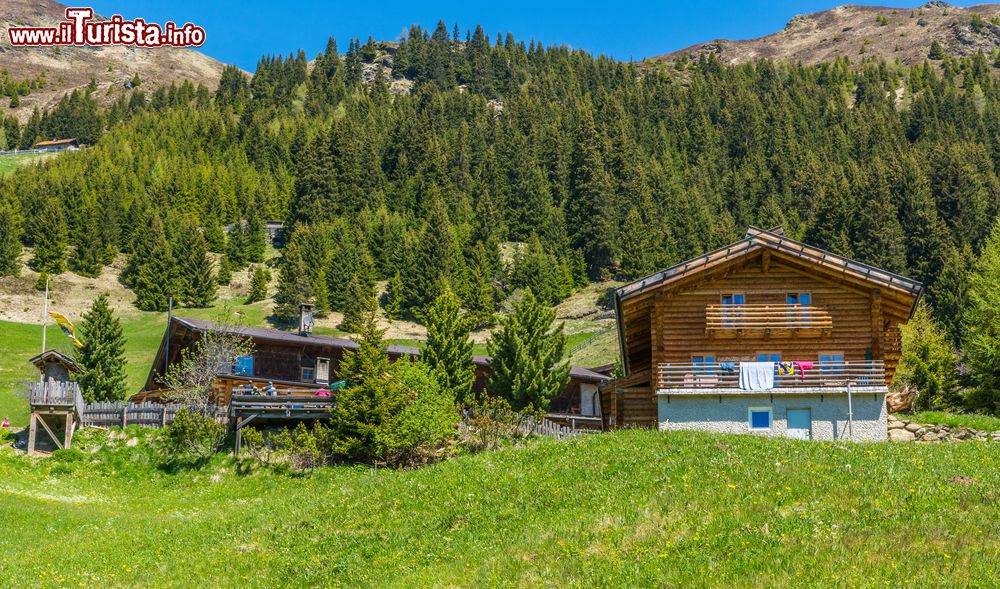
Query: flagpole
(45, 315)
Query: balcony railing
(726, 375)
(731, 319)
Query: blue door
(799, 423)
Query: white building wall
(730, 413)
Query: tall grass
(626, 509)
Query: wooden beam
(32, 432)
(51, 435)
(877, 325)
(765, 261)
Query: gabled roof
(50, 356)
(276, 335)
(903, 292)
(757, 239)
(54, 142)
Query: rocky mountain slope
(858, 31)
(66, 68)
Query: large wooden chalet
(696, 340)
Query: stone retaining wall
(902, 430)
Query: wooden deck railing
(734, 317)
(56, 394)
(726, 375)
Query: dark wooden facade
(688, 314)
(291, 362)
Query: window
(308, 374)
(760, 418)
(799, 315)
(704, 364)
(831, 363)
(243, 365)
(769, 356)
(730, 316)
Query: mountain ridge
(68, 68)
(856, 32)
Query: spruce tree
(88, 251)
(590, 206)
(361, 301)
(394, 297)
(10, 240)
(196, 285)
(48, 234)
(981, 346)
(928, 363)
(449, 349)
(225, 274)
(433, 260)
(156, 275)
(540, 271)
(526, 356)
(103, 356)
(215, 236)
(258, 284)
(255, 237)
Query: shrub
(68, 455)
(490, 421)
(193, 434)
(304, 449)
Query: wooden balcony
(767, 321)
(724, 378)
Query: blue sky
(240, 32)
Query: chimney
(305, 319)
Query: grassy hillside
(633, 508)
(10, 162)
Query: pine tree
(981, 346)
(88, 253)
(196, 285)
(225, 274)
(215, 236)
(103, 356)
(936, 51)
(10, 240)
(590, 207)
(394, 297)
(236, 246)
(449, 349)
(526, 356)
(255, 238)
(156, 275)
(361, 302)
(258, 285)
(434, 260)
(540, 271)
(928, 363)
(48, 234)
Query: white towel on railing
(756, 376)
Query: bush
(193, 435)
(395, 419)
(68, 455)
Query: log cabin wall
(862, 329)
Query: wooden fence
(529, 425)
(143, 414)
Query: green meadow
(633, 508)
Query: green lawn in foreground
(983, 422)
(626, 509)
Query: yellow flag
(67, 327)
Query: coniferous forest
(602, 169)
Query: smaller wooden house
(57, 145)
(304, 363)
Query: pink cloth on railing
(803, 366)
